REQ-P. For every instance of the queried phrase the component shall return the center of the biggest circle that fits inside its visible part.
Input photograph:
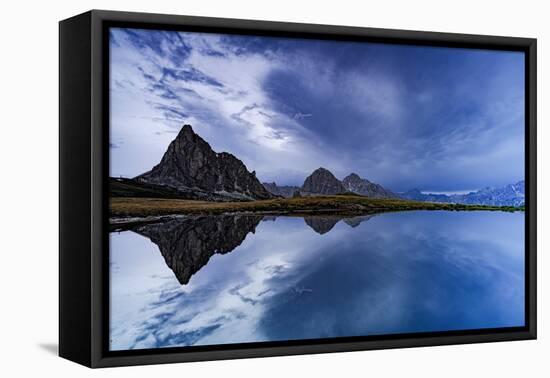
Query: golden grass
(340, 204)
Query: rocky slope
(125, 187)
(356, 184)
(322, 181)
(286, 191)
(190, 163)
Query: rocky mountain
(190, 169)
(187, 244)
(509, 195)
(354, 183)
(286, 191)
(190, 163)
(322, 181)
(417, 195)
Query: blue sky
(437, 119)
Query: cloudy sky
(437, 119)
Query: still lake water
(235, 279)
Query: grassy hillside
(337, 204)
(124, 187)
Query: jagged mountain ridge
(322, 181)
(189, 162)
(286, 191)
(190, 169)
(508, 195)
(355, 184)
(417, 195)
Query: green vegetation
(336, 204)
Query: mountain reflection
(187, 244)
(323, 224)
(400, 272)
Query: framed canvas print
(234, 188)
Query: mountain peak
(356, 184)
(189, 162)
(186, 131)
(321, 170)
(322, 181)
(354, 178)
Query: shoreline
(125, 212)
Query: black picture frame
(83, 181)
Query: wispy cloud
(302, 115)
(404, 116)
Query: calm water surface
(234, 279)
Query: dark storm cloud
(433, 118)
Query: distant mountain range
(322, 181)
(509, 195)
(190, 169)
(283, 191)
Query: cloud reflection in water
(257, 279)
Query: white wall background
(29, 186)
